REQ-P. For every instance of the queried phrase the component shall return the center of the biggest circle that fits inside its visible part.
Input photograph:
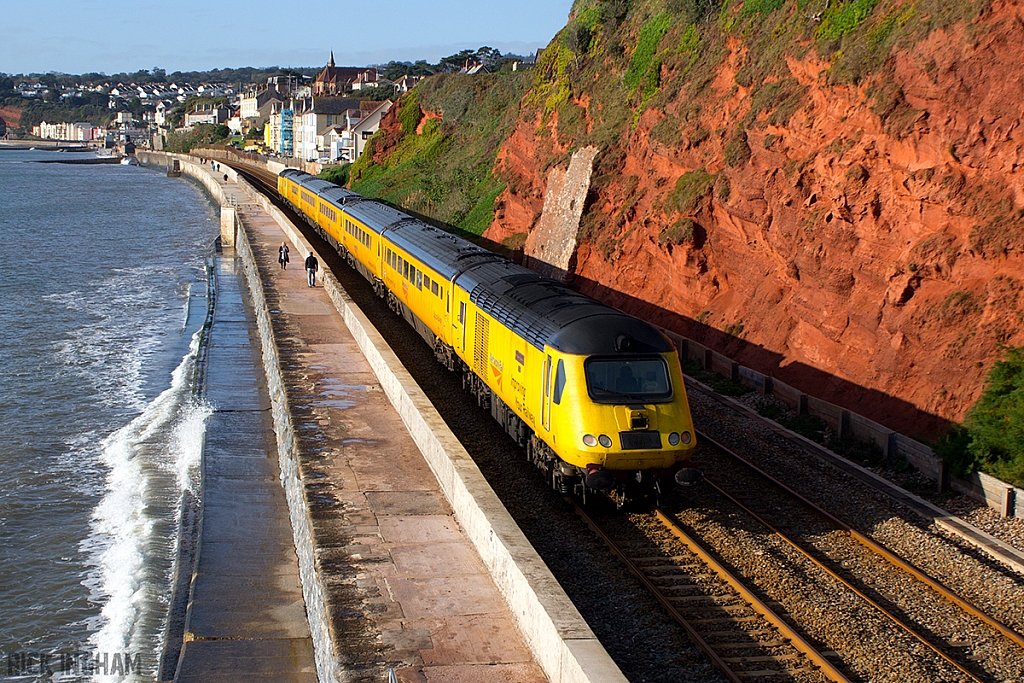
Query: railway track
(741, 634)
(930, 625)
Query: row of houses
(322, 128)
(313, 121)
(123, 124)
(79, 132)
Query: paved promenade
(403, 586)
(247, 619)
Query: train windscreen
(618, 380)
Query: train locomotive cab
(619, 418)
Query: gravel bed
(642, 640)
(642, 534)
(1010, 530)
(827, 613)
(959, 566)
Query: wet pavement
(246, 618)
(403, 586)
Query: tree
(453, 63)
(392, 71)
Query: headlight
(605, 441)
(673, 439)
(589, 440)
(686, 437)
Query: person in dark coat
(312, 265)
(282, 255)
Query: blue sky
(184, 35)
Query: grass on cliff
(991, 438)
(446, 171)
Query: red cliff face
(11, 115)
(869, 248)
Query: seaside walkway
(247, 619)
(401, 584)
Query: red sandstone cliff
(868, 248)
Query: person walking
(282, 256)
(312, 265)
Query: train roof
(340, 195)
(292, 173)
(546, 312)
(446, 254)
(376, 216)
(314, 184)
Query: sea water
(102, 286)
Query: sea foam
(150, 462)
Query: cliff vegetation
(827, 190)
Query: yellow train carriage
(288, 185)
(418, 288)
(363, 222)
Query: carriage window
(405, 269)
(434, 288)
(419, 279)
(615, 380)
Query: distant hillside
(442, 166)
(827, 190)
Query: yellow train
(594, 395)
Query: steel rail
(877, 548)
(849, 586)
(795, 639)
(798, 641)
(649, 585)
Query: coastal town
(328, 117)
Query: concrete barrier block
(828, 413)
(791, 397)
(754, 379)
(724, 366)
(864, 429)
(920, 456)
(697, 352)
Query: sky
(116, 36)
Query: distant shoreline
(45, 145)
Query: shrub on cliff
(690, 189)
(992, 436)
(336, 174)
(409, 113)
(200, 135)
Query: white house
(347, 142)
(207, 113)
(313, 117)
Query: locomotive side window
(614, 380)
(559, 382)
